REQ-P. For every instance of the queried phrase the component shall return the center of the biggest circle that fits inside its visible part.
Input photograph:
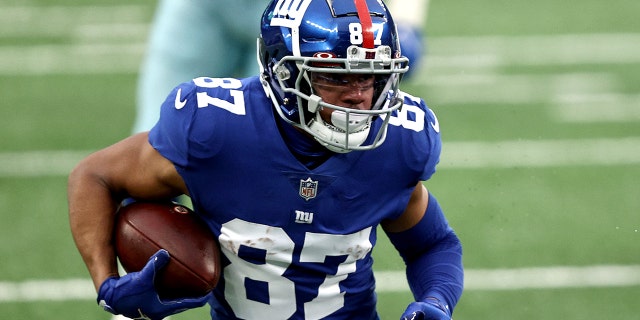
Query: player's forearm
(438, 273)
(433, 255)
(91, 210)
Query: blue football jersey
(296, 241)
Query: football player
(193, 38)
(293, 170)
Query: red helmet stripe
(365, 21)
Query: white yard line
(541, 153)
(531, 278)
(77, 59)
(39, 21)
(387, 281)
(39, 163)
(513, 89)
(597, 107)
(473, 52)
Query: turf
(507, 217)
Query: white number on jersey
(279, 255)
(401, 118)
(236, 105)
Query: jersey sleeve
(195, 117)
(426, 143)
(170, 135)
(435, 143)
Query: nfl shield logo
(308, 189)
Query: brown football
(143, 228)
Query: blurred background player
(192, 38)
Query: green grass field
(539, 107)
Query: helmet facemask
(348, 128)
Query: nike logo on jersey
(179, 104)
(435, 125)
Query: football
(143, 228)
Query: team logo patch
(308, 189)
(304, 217)
(287, 13)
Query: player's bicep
(416, 116)
(160, 173)
(413, 212)
(133, 168)
(420, 232)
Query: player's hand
(429, 309)
(134, 295)
(411, 45)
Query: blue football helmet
(303, 38)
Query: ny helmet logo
(308, 189)
(288, 13)
(290, 9)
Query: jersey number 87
(278, 251)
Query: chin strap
(336, 139)
(346, 130)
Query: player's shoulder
(225, 97)
(222, 101)
(415, 117)
(414, 132)
(202, 112)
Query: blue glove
(411, 45)
(134, 296)
(429, 309)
